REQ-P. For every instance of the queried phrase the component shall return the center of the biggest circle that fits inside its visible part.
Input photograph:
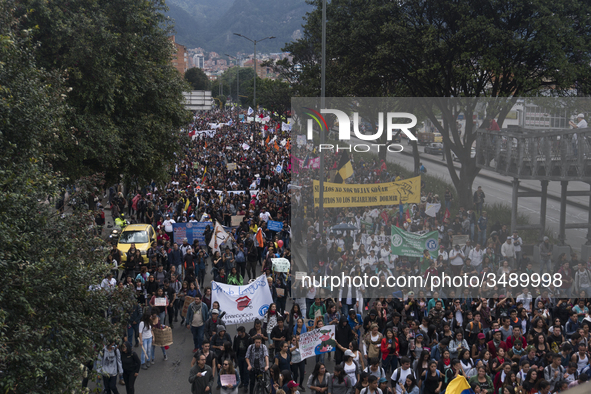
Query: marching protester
(247, 187)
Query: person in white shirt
(109, 282)
(517, 241)
(168, 227)
(508, 252)
(476, 255)
(456, 258)
(399, 375)
(443, 253)
(581, 124)
(526, 298)
(385, 253)
(371, 260)
(265, 215)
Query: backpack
(382, 372)
(426, 374)
(549, 371)
(397, 375)
(240, 258)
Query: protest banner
(432, 209)
(231, 166)
(228, 379)
(318, 341)
(162, 336)
(340, 195)
(299, 275)
(274, 225)
(280, 264)
(368, 226)
(243, 304)
(280, 292)
(412, 245)
(236, 220)
(301, 140)
(188, 301)
(460, 239)
(191, 231)
(160, 301)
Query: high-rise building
(199, 60)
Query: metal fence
(554, 154)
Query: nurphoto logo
(344, 126)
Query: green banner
(368, 226)
(412, 245)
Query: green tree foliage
(197, 78)
(461, 49)
(49, 319)
(125, 96)
(274, 95)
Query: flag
(306, 162)
(205, 144)
(447, 214)
(187, 204)
(288, 146)
(267, 141)
(344, 170)
(259, 238)
(205, 171)
(459, 385)
(219, 237)
(276, 146)
(250, 111)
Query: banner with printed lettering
(339, 195)
(191, 231)
(243, 304)
(318, 341)
(275, 225)
(412, 245)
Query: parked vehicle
(434, 148)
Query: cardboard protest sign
(228, 379)
(162, 336)
(188, 301)
(280, 264)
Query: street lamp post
(237, 78)
(322, 104)
(255, 64)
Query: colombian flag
(459, 385)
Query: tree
(274, 95)
(49, 319)
(459, 49)
(490, 49)
(125, 95)
(197, 78)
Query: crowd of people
(406, 340)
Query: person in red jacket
(501, 375)
(516, 335)
(390, 348)
(496, 343)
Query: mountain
(210, 24)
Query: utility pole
(237, 78)
(322, 134)
(255, 65)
